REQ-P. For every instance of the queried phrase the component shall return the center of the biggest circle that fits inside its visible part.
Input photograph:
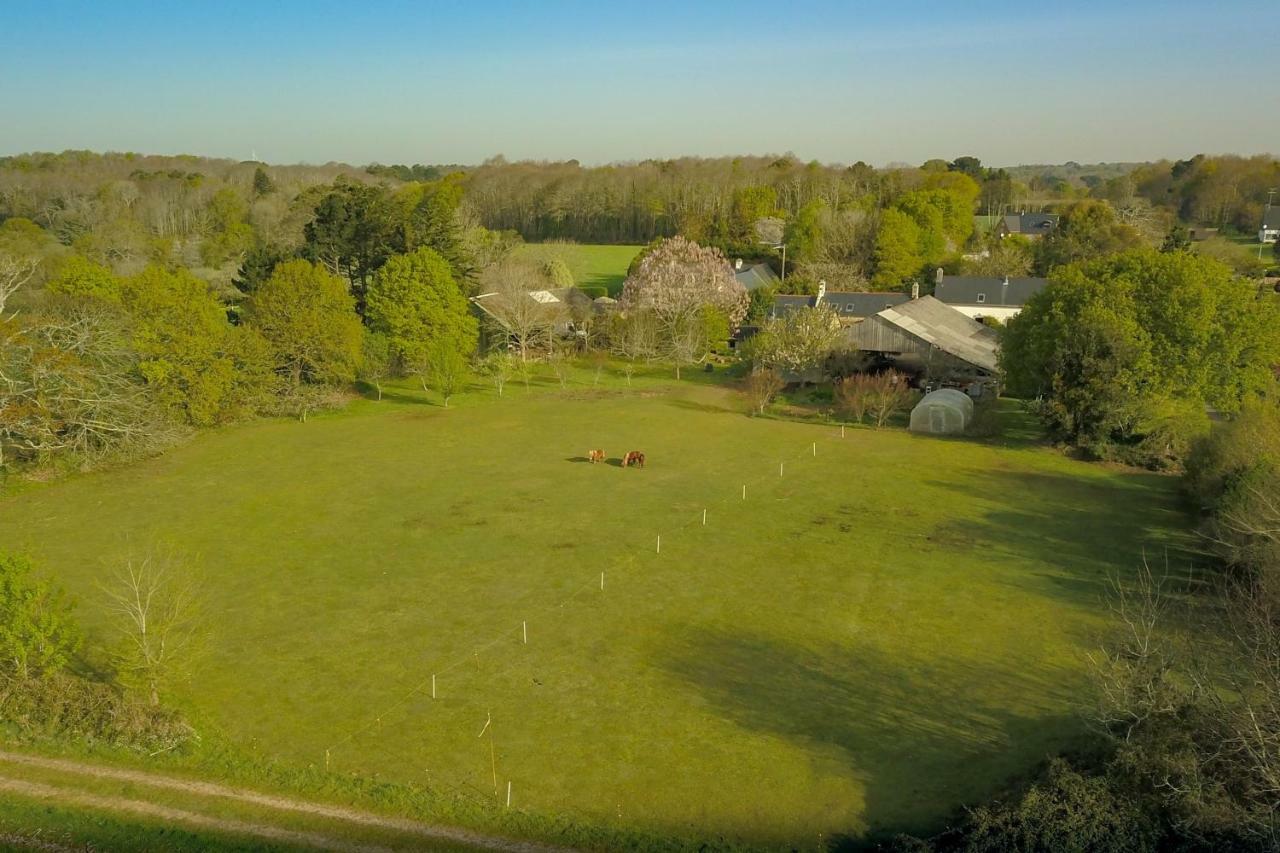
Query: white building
(982, 296)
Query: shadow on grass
(921, 734)
(695, 406)
(612, 462)
(1076, 534)
(407, 398)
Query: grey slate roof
(1271, 218)
(1030, 223)
(934, 323)
(965, 290)
(756, 276)
(845, 303)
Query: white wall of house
(1000, 312)
(1268, 235)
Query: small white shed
(943, 412)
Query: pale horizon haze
(395, 82)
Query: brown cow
(633, 456)
(595, 456)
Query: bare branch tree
(510, 298)
(633, 336)
(155, 604)
(761, 387)
(68, 384)
(14, 273)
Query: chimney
(737, 263)
(915, 289)
(938, 276)
(822, 291)
(1004, 291)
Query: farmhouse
(755, 276)
(984, 296)
(850, 306)
(563, 303)
(1027, 224)
(1269, 231)
(926, 335)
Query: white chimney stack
(822, 291)
(737, 263)
(915, 290)
(937, 276)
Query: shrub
(558, 273)
(1065, 812)
(761, 387)
(880, 395)
(594, 291)
(37, 634)
(68, 707)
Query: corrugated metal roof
(937, 324)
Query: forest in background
(854, 226)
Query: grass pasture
(592, 265)
(889, 629)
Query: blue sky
(457, 82)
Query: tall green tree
(415, 301)
(1113, 340)
(262, 183)
(1086, 230)
(308, 316)
(897, 250)
(201, 368)
(804, 232)
(354, 230)
(79, 276)
(433, 222)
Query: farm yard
(884, 628)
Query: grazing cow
(595, 456)
(634, 456)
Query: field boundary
(405, 826)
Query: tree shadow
(695, 406)
(405, 398)
(1077, 534)
(922, 735)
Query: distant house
(982, 296)
(849, 306)
(755, 276)
(1270, 230)
(562, 305)
(1027, 224)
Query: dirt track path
(411, 828)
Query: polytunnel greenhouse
(943, 412)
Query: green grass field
(592, 265)
(891, 628)
(1239, 252)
